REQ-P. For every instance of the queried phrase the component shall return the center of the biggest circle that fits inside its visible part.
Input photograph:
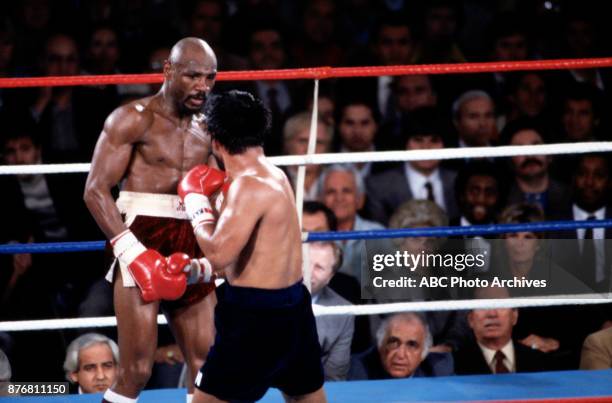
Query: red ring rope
(318, 72)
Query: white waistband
(151, 204)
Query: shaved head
(189, 48)
(189, 74)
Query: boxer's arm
(122, 129)
(246, 201)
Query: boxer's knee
(136, 373)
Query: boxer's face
(191, 78)
(97, 368)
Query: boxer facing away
(265, 329)
(148, 145)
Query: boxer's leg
(202, 397)
(137, 331)
(194, 330)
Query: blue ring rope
(492, 229)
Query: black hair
(585, 92)
(479, 167)
(391, 20)
(314, 207)
(347, 101)
(237, 120)
(424, 121)
(18, 125)
(524, 123)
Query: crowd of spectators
(411, 112)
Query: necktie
(500, 367)
(430, 194)
(588, 254)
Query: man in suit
(402, 348)
(415, 179)
(532, 180)
(597, 350)
(335, 331)
(492, 351)
(341, 188)
(590, 255)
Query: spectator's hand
(441, 348)
(170, 355)
(21, 263)
(44, 97)
(544, 344)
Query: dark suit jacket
(367, 365)
(389, 189)
(558, 197)
(469, 360)
(566, 251)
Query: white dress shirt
(417, 181)
(599, 234)
(509, 360)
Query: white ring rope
(370, 156)
(419, 306)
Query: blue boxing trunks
(265, 338)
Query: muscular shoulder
(129, 122)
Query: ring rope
(377, 309)
(317, 72)
(370, 156)
(490, 229)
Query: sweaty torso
(272, 257)
(167, 149)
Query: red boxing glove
(157, 277)
(194, 190)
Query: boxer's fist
(194, 190)
(170, 281)
(199, 271)
(157, 277)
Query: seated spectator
(335, 331)
(317, 217)
(414, 179)
(69, 122)
(402, 351)
(342, 190)
(533, 182)
(527, 97)
(493, 351)
(408, 94)
(295, 142)
(480, 193)
(357, 131)
(581, 115)
(444, 326)
(267, 51)
(91, 363)
(440, 27)
(597, 350)
(474, 119)
(587, 249)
